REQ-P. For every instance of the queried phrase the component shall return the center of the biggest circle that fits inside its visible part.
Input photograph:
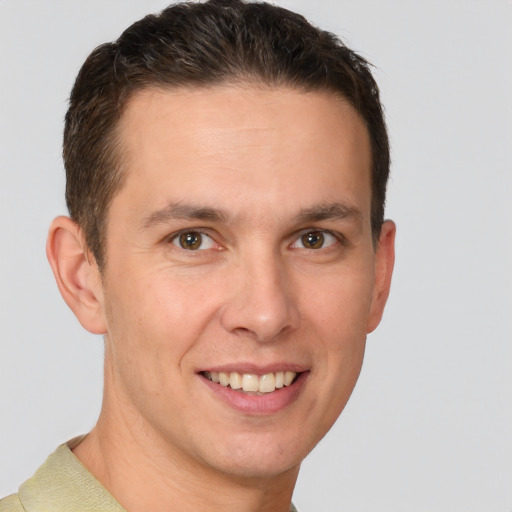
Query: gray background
(429, 425)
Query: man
(226, 173)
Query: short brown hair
(204, 44)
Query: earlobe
(384, 263)
(76, 273)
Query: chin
(259, 469)
(254, 458)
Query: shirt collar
(63, 483)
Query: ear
(76, 273)
(384, 262)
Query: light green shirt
(63, 484)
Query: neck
(145, 472)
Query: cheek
(340, 303)
(157, 319)
(339, 316)
(151, 331)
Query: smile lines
(250, 382)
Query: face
(239, 254)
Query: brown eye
(192, 241)
(316, 240)
(313, 240)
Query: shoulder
(11, 504)
(61, 484)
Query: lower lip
(259, 405)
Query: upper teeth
(252, 382)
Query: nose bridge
(261, 304)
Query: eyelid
(335, 234)
(174, 237)
(170, 239)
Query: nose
(261, 305)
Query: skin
(270, 165)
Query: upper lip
(245, 367)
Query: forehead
(246, 141)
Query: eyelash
(174, 239)
(338, 238)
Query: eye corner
(192, 240)
(316, 239)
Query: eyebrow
(183, 211)
(329, 211)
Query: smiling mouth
(252, 383)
